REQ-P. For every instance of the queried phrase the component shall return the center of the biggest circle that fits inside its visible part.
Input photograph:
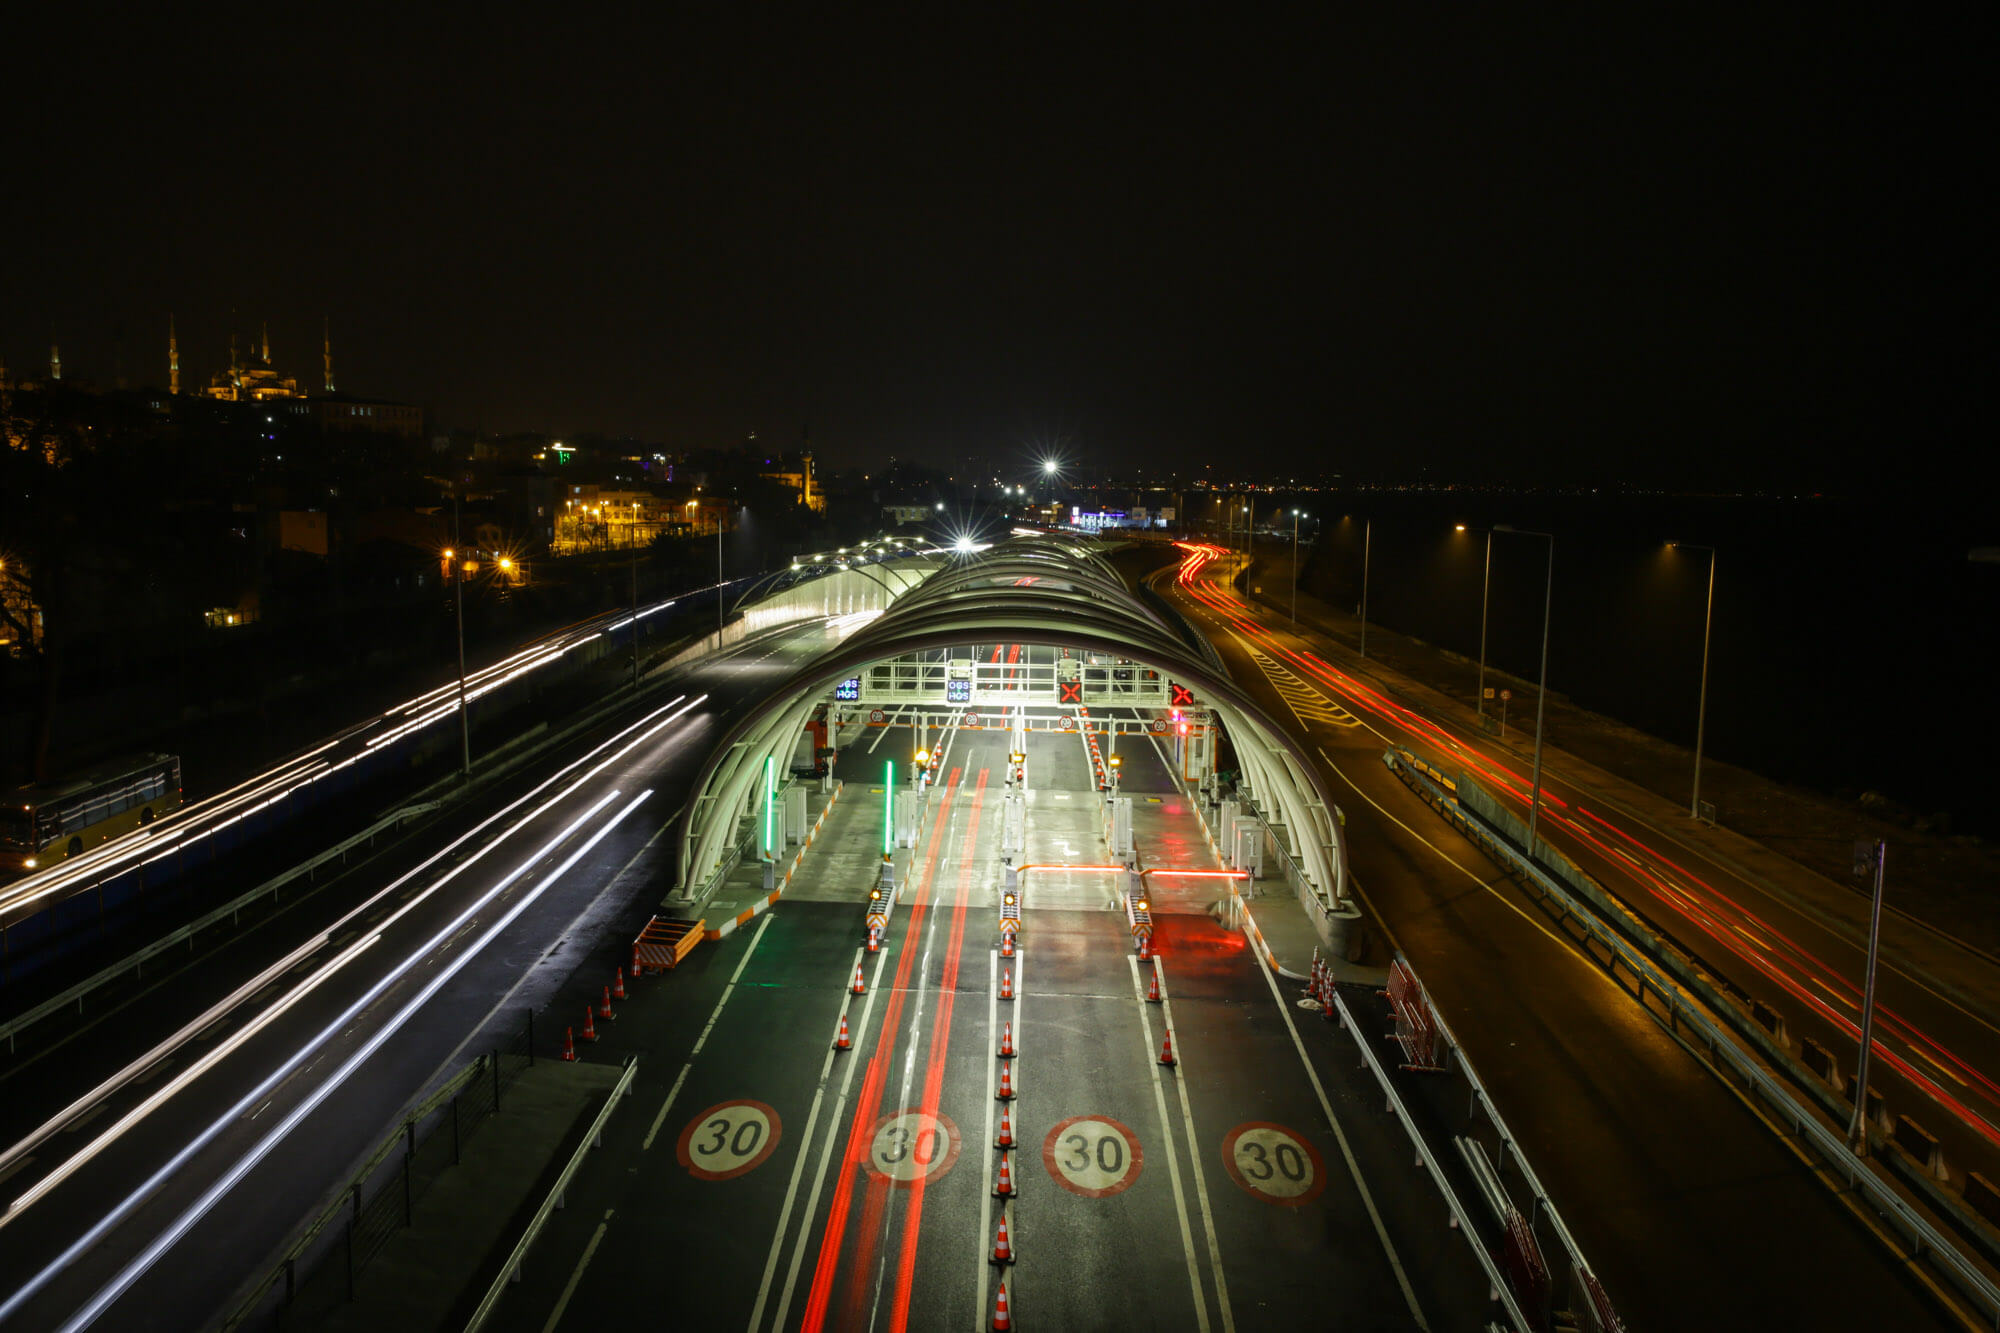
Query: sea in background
(1854, 639)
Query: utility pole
(1867, 857)
(635, 615)
(718, 578)
(1295, 567)
(1485, 587)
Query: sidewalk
(1794, 843)
(474, 1212)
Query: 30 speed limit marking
(728, 1139)
(1092, 1155)
(912, 1145)
(1274, 1163)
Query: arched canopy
(1048, 591)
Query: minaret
(326, 349)
(55, 360)
(235, 371)
(267, 342)
(173, 359)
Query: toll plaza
(1015, 1008)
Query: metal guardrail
(1922, 1236)
(1430, 1164)
(594, 1138)
(136, 962)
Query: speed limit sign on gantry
(1092, 1155)
(1274, 1163)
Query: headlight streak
(100, 860)
(145, 1259)
(652, 724)
(77, 1161)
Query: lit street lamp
(1367, 547)
(1542, 692)
(1701, 708)
(1295, 567)
(1485, 586)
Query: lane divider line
(1194, 1143)
(728, 990)
(1147, 1052)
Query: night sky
(1569, 244)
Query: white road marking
(1173, 1161)
(1346, 1153)
(1194, 1151)
(702, 1040)
(819, 1174)
(576, 1275)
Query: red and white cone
(618, 984)
(1005, 1138)
(874, 939)
(1003, 1246)
(635, 960)
(1006, 945)
(604, 1005)
(841, 1042)
(1006, 1041)
(569, 1044)
(1003, 1188)
(1145, 948)
(1167, 1049)
(1006, 983)
(1002, 1321)
(1153, 988)
(1006, 1092)
(589, 1023)
(859, 987)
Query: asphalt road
(150, 1206)
(1694, 1212)
(765, 1180)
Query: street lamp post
(1701, 708)
(1367, 545)
(718, 578)
(1542, 691)
(1485, 587)
(1295, 567)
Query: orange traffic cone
(569, 1044)
(1006, 983)
(618, 984)
(635, 960)
(1145, 948)
(874, 939)
(1153, 991)
(1003, 1188)
(1006, 1093)
(1003, 1248)
(604, 1005)
(859, 987)
(1167, 1049)
(841, 1043)
(1001, 1322)
(589, 1023)
(1006, 1041)
(1005, 1138)
(1006, 945)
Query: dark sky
(1571, 244)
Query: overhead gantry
(1045, 591)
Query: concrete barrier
(1920, 1144)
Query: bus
(44, 823)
